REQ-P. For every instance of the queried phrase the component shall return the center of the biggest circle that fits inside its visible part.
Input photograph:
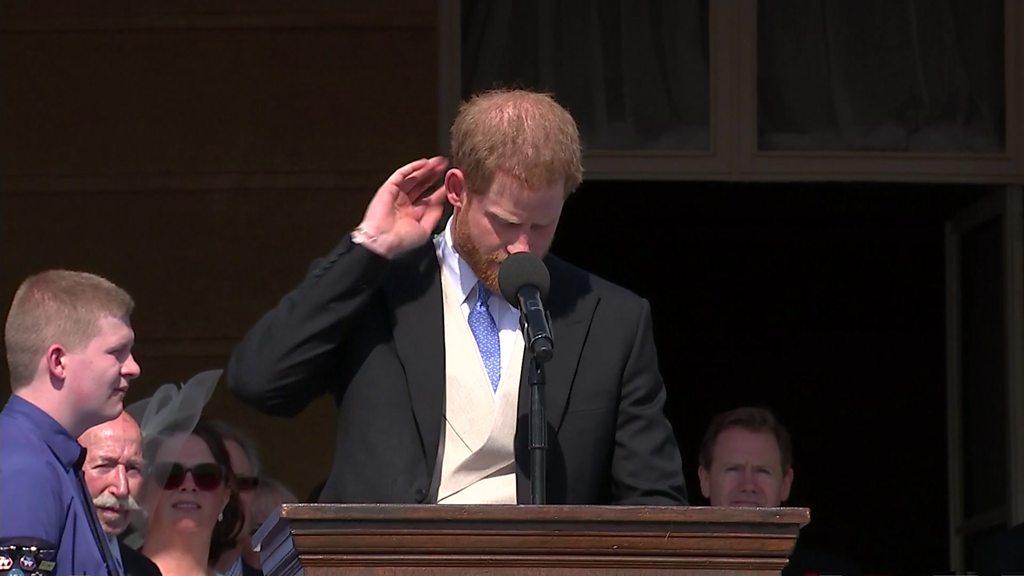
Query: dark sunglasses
(207, 476)
(247, 483)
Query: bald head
(113, 469)
(124, 426)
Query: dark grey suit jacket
(370, 331)
(136, 563)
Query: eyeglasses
(207, 476)
(247, 483)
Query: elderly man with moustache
(113, 471)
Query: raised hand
(403, 212)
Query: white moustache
(108, 500)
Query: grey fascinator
(172, 410)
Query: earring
(220, 516)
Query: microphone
(524, 281)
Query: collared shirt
(506, 318)
(41, 497)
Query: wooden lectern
(397, 540)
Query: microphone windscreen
(522, 269)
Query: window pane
(633, 74)
(886, 75)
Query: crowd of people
(79, 481)
(405, 324)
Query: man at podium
(408, 331)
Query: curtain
(634, 74)
(848, 75)
(890, 75)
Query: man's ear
(455, 188)
(705, 481)
(56, 356)
(787, 483)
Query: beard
(485, 266)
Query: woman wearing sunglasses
(192, 499)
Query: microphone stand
(538, 433)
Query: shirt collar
(67, 449)
(454, 264)
(115, 550)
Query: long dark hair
(227, 529)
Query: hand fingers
(422, 176)
(434, 165)
(405, 171)
(432, 214)
(435, 197)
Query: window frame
(733, 153)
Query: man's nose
(521, 243)
(130, 369)
(119, 488)
(748, 480)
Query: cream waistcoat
(478, 458)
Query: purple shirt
(42, 499)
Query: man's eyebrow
(503, 216)
(122, 344)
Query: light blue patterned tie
(485, 331)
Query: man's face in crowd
(506, 219)
(243, 469)
(97, 375)
(746, 470)
(113, 470)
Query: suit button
(421, 495)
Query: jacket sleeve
(646, 466)
(287, 359)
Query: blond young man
(426, 360)
(69, 350)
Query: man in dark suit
(427, 364)
(113, 474)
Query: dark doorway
(823, 301)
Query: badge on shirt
(19, 560)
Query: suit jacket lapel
(414, 296)
(571, 304)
